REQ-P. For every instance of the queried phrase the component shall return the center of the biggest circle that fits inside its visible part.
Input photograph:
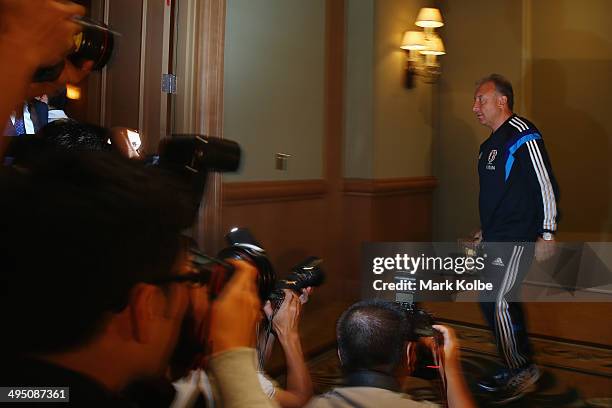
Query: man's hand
(41, 30)
(457, 392)
(477, 237)
(236, 311)
(287, 318)
(306, 292)
(470, 244)
(544, 249)
(70, 75)
(451, 346)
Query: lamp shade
(433, 46)
(429, 17)
(413, 40)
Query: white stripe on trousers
(500, 326)
(522, 360)
(506, 335)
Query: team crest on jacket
(492, 156)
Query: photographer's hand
(236, 311)
(457, 392)
(287, 318)
(41, 30)
(306, 292)
(286, 324)
(450, 347)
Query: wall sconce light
(423, 47)
(73, 92)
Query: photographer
(285, 324)
(92, 285)
(376, 346)
(33, 33)
(198, 386)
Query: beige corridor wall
(388, 128)
(570, 100)
(359, 90)
(274, 81)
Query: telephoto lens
(307, 273)
(198, 153)
(95, 43)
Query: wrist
(288, 338)
(453, 363)
(548, 235)
(220, 345)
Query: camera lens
(95, 43)
(244, 246)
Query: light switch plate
(281, 161)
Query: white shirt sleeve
(55, 114)
(266, 384)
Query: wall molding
(250, 191)
(263, 191)
(389, 186)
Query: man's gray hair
(502, 86)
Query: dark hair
(502, 85)
(68, 134)
(79, 230)
(372, 334)
(59, 100)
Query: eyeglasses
(203, 270)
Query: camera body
(428, 359)
(422, 321)
(303, 275)
(242, 245)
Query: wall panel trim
(261, 191)
(389, 186)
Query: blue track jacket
(518, 191)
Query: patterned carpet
(572, 375)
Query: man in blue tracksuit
(518, 207)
